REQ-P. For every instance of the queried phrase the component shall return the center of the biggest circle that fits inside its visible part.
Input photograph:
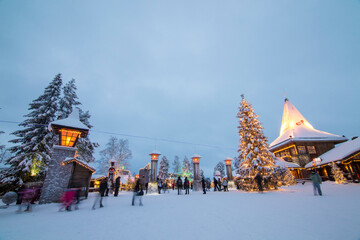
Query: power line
(136, 136)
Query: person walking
(203, 184)
(186, 185)
(102, 189)
(179, 185)
(117, 186)
(316, 180)
(108, 187)
(138, 193)
(258, 178)
(159, 184)
(225, 185)
(215, 184)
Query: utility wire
(136, 136)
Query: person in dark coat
(138, 193)
(203, 184)
(179, 185)
(316, 180)
(186, 185)
(102, 189)
(258, 178)
(215, 184)
(117, 186)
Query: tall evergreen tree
(164, 168)
(117, 150)
(236, 163)
(253, 148)
(176, 165)
(85, 147)
(34, 143)
(221, 168)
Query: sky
(176, 69)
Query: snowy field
(291, 213)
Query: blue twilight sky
(176, 69)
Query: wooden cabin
(346, 156)
(299, 142)
(80, 175)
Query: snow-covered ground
(291, 213)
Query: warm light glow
(196, 160)
(154, 156)
(227, 162)
(68, 137)
(292, 118)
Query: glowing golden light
(196, 160)
(68, 137)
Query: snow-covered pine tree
(164, 168)
(68, 100)
(338, 174)
(221, 168)
(236, 163)
(33, 148)
(116, 149)
(176, 165)
(253, 148)
(85, 147)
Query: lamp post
(69, 130)
(196, 162)
(230, 178)
(154, 159)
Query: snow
(340, 152)
(282, 163)
(290, 213)
(71, 121)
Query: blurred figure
(258, 178)
(117, 186)
(27, 194)
(316, 180)
(102, 189)
(67, 199)
(159, 184)
(109, 187)
(203, 184)
(186, 185)
(138, 193)
(215, 184)
(179, 185)
(225, 185)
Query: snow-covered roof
(72, 121)
(294, 127)
(282, 163)
(78, 161)
(155, 152)
(196, 156)
(340, 152)
(97, 176)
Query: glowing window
(311, 149)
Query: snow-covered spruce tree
(236, 163)
(164, 168)
(33, 148)
(187, 169)
(283, 177)
(117, 150)
(221, 168)
(69, 100)
(253, 148)
(338, 174)
(176, 165)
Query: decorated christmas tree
(338, 174)
(187, 169)
(253, 148)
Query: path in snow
(291, 213)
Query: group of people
(220, 185)
(106, 186)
